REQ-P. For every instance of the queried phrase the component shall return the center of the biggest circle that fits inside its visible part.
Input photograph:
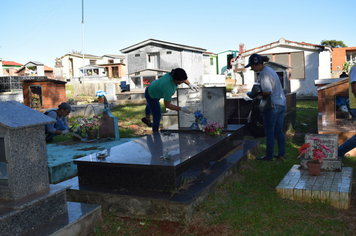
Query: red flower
(146, 82)
(318, 153)
(303, 149)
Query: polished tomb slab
(178, 205)
(159, 162)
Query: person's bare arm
(168, 105)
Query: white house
(113, 64)
(153, 58)
(307, 63)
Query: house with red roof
(9, 68)
(304, 63)
(35, 68)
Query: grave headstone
(27, 200)
(23, 161)
(210, 101)
(331, 161)
(111, 92)
(108, 126)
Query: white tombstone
(331, 161)
(111, 92)
(210, 101)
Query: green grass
(128, 116)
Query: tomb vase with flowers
(318, 153)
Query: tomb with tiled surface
(332, 187)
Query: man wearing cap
(61, 125)
(272, 118)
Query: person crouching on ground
(61, 125)
(273, 118)
(164, 88)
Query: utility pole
(83, 74)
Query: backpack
(255, 120)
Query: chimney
(241, 48)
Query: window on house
(92, 62)
(169, 52)
(229, 57)
(351, 57)
(7, 71)
(137, 55)
(294, 60)
(211, 61)
(111, 61)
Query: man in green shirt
(164, 88)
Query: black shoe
(147, 122)
(279, 157)
(264, 158)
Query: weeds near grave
(185, 183)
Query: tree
(333, 43)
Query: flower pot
(314, 168)
(101, 100)
(92, 134)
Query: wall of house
(209, 69)
(192, 63)
(1, 72)
(135, 62)
(222, 60)
(12, 70)
(166, 61)
(77, 62)
(170, 59)
(324, 65)
(339, 57)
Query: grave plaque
(210, 101)
(331, 161)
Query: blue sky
(42, 30)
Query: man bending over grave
(164, 88)
(61, 125)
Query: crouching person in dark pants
(61, 125)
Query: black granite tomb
(159, 162)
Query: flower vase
(314, 168)
(92, 134)
(100, 99)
